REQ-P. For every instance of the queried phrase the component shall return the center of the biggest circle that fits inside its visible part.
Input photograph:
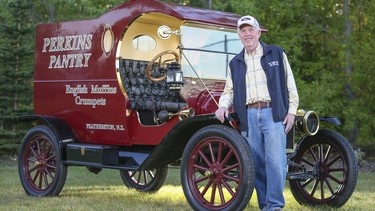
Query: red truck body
(76, 78)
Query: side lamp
(174, 76)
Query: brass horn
(164, 115)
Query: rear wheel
(148, 180)
(331, 157)
(40, 165)
(217, 170)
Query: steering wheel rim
(148, 69)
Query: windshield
(208, 51)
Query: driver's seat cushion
(145, 94)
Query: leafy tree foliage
(16, 57)
(362, 43)
(62, 10)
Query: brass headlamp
(307, 122)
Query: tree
(16, 56)
(362, 42)
(63, 10)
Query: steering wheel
(151, 66)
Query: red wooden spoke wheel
(217, 170)
(330, 156)
(39, 163)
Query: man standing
(262, 90)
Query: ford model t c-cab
(135, 90)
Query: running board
(103, 156)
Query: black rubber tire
(338, 170)
(40, 166)
(145, 181)
(217, 159)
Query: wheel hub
(323, 171)
(215, 171)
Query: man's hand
(288, 122)
(221, 113)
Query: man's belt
(259, 105)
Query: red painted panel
(95, 110)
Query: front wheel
(147, 180)
(217, 170)
(40, 165)
(330, 157)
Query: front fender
(333, 120)
(173, 144)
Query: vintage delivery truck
(135, 90)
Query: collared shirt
(256, 80)
(256, 83)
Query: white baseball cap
(249, 20)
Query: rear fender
(59, 127)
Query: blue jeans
(267, 141)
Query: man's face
(249, 37)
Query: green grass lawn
(86, 191)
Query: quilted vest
(273, 66)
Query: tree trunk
(51, 11)
(353, 132)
